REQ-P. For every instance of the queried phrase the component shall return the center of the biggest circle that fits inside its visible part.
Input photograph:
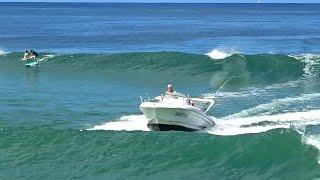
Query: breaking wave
(217, 54)
(259, 69)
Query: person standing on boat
(170, 90)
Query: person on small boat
(171, 93)
(170, 90)
(34, 55)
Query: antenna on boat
(223, 84)
(148, 96)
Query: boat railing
(148, 99)
(204, 104)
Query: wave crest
(217, 54)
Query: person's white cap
(169, 85)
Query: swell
(244, 69)
(75, 153)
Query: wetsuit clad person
(34, 54)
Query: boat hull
(166, 127)
(178, 119)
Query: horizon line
(163, 2)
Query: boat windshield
(203, 105)
(174, 95)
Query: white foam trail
(275, 104)
(126, 123)
(248, 125)
(233, 130)
(311, 117)
(225, 127)
(217, 54)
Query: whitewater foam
(125, 123)
(3, 52)
(309, 139)
(312, 62)
(275, 105)
(246, 125)
(217, 54)
(226, 126)
(313, 140)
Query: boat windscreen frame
(208, 103)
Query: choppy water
(77, 115)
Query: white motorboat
(175, 111)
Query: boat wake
(125, 123)
(227, 126)
(297, 121)
(263, 123)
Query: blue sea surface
(196, 28)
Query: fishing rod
(223, 84)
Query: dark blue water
(112, 27)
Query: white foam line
(274, 104)
(225, 126)
(126, 123)
(309, 117)
(234, 130)
(228, 127)
(312, 61)
(305, 56)
(313, 140)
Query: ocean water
(76, 115)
